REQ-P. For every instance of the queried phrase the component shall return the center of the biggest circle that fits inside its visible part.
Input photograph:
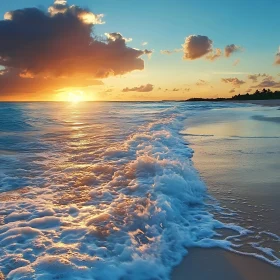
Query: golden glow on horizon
(76, 96)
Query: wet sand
(217, 264)
(243, 173)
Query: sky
(137, 50)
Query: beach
(122, 190)
(217, 264)
(236, 152)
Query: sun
(75, 97)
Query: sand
(217, 264)
(252, 176)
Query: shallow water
(237, 153)
(102, 190)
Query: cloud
(268, 82)
(230, 49)
(148, 53)
(59, 45)
(61, 7)
(232, 90)
(255, 77)
(105, 92)
(12, 84)
(144, 43)
(168, 52)
(201, 83)
(117, 36)
(108, 90)
(236, 62)
(175, 89)
(214, 55)
(233, 81)
(277, 57)
(143, 88)
(196, 46)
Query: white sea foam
(106, 208)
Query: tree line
(258, 95)
(265, 94)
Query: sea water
(102, 191)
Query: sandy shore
(252, 175)
(217, 264)
(272, 103)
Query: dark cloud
(232, 90)
(268, 82)
(201, 83)
(143, 88)
(168, 52)
(214, 54)
(175, 89)
(233, 81)
(196, 46)
(60, 43)
(230, 49)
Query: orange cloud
(214, 54)
(58, 46)
(12, 83)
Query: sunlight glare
(76, 96)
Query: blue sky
(164, 24)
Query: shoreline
(215, 263)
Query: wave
(127, 209)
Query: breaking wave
(102, 191)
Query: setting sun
(75, 97)
(140, 140)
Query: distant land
(265, 94)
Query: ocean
(109, 190)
